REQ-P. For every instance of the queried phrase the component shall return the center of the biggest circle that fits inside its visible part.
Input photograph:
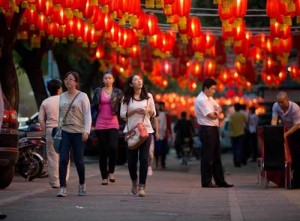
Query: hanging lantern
(209, 68)
(59, 16)
(225, 12)
(239, 31)
(285, 32)
(209, 40)
(275, 30)
(240, 8)
(194, 27)
(41, 22)
(199, 44)
(150, 24)
(99, 52)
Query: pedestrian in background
(48, 119)
(105, 110)
(154, 137)
(207, 111)
(184, 131)
(289, 113)
(76, 126)
(138, 106)
(165, 133)
(252, 128)
(237, 122)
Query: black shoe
(224, 184)
(2, 216)
(208, 185)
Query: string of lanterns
(139, 43)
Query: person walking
(75, 121)
(138, 106)
(237, 122)
(252, 128)
(48, 119)
(207, 111)
(154, 138)
(184, 131)
(105, 109)
(289, 114)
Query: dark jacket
(115, 100)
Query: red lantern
(209, 68)
(225, 12)
(182, 7)
(151, 24)
(240, 8)
(194, 27)
(59, 16)
(239, 31)
(273, 8)
(275, 29)
(198, 44)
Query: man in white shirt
(48, 119)
(207, 111)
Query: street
(171, 194)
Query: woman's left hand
(85, 136)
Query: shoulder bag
(136, 135)
(56, 132)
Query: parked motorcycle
(32, 162)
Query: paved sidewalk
(171, 194)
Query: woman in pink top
(105, 108)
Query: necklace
(107, 93)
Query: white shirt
(162, 119)
(136, 118)
(49, 110)
(252, 123)
(203, 106)
(79, 119)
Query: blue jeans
(141, 153)
(238, 145)
(74, 141)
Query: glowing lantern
(151, 24)
(240, 8)
(59, 16)
(194, 27)
(272, 8)
(209, 68)
(30, 16)
(99, 52)
(239, 31)
(225, 12)
(209, 40)
(104, 22)
(275, 29)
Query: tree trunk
(32, 64)
(8, 75)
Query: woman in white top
(138, 106)
(76, 127)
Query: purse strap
(69, 108)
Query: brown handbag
(136, 136)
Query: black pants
(107, 144)
(294, 145)
(141, 154)
(211, 165)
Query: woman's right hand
(140, 111)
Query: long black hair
(129, 91)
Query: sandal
(112, 178)
(104, 182)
